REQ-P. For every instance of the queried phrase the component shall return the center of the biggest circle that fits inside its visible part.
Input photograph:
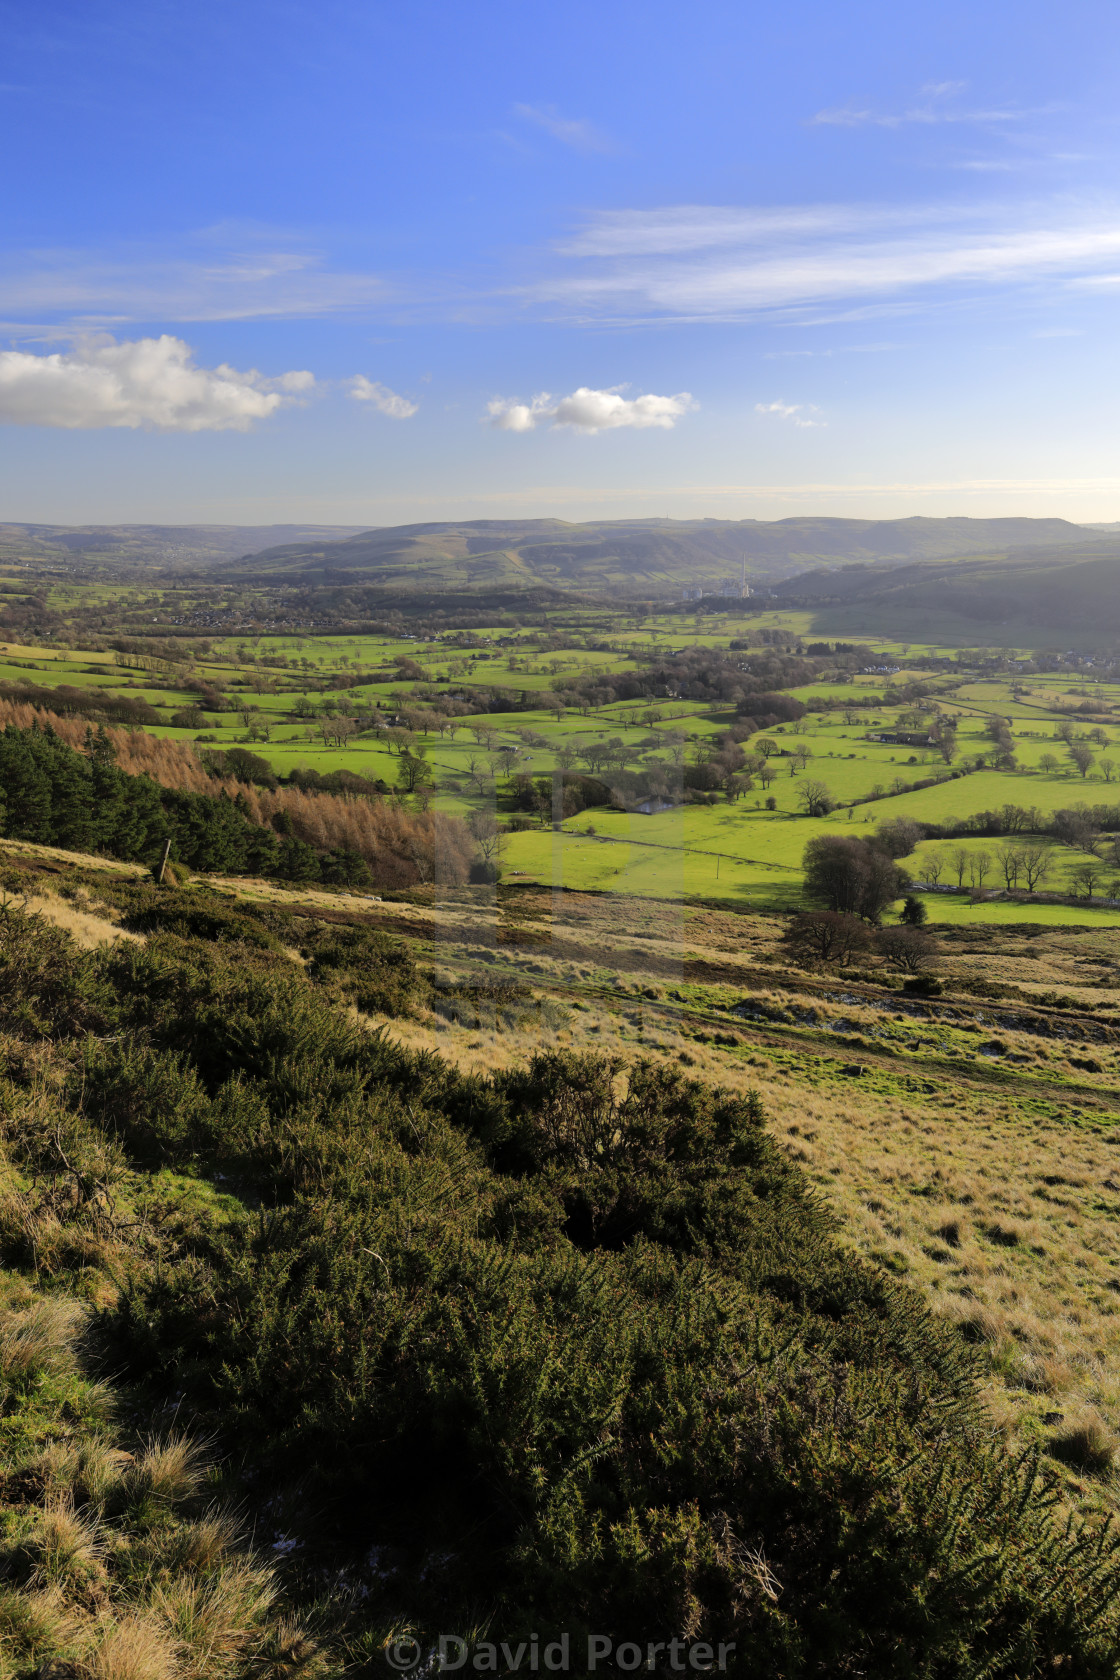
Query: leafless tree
(1010, 861)
(816, 799)
(908, 948)
(487, 834)
(979, 865)
(1036, 860)
(1086, 876)
(826, 936)
(933, 866)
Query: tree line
(54, 794)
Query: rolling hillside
(1070, 589)
(146, 548)
(644, 556)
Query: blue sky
(368, 263)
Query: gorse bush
(567, 1348)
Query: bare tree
(487, 834)
(1107, 767)
(979, 865)
(816, 799)
(933, 865)
(1081, 756)
(1086, 876)
(1010, 861)
(1036, 860)
(826, 936)
(961, 859)
(908, 948)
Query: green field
(281, 694)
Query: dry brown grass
(41, 1337)
(212, 1621)
(171, 1470)
(137, 1648)
(87, 928)
(66, 1549)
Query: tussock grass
(137, 1648)
(41, 1337)
(171, 1470)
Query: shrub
(826, 936)
(906, 947)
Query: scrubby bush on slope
(550, 1350)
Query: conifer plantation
(62, 785)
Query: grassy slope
(974, 1154)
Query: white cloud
(800, 413)
(582, 136)
(150, 382)
(384, 400)
(590, 411)
(690, 262)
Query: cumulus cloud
(384, 400)
(582, 136)
(590, 411)
(801, 414)
(150, 382)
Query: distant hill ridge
(632, 556)
(1074, 586)
(156, 546)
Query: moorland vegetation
(572, 1346)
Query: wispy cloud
(213, 275)
(693, 262)
(383, 400)
(150, 382)
(576, 132)
(587, 410)
(938, 105)
(801, 414)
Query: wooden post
(163, 865)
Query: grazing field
(463, 704)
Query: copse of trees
(95, 704)
(852, 876)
